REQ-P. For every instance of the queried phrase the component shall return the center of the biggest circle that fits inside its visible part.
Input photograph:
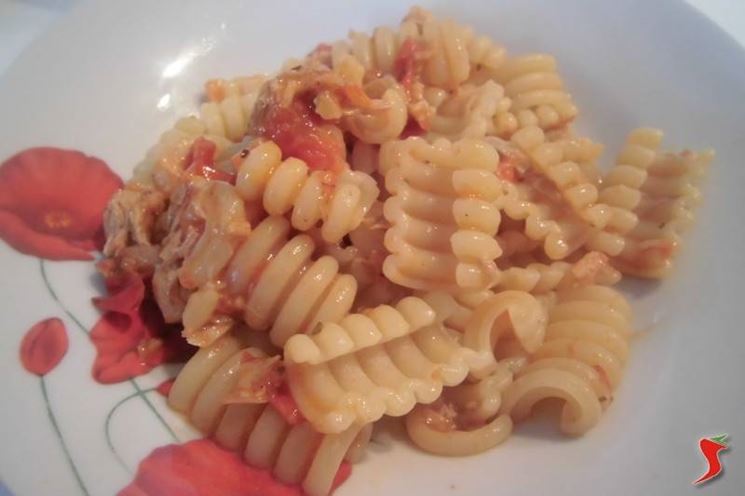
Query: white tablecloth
(21, 21)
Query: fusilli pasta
(296, 454)
(537, 91)
(467, 419)
(581, 361)
(380, 362)
(338, 201)
(403, 224)
(285, 289)
(660, 191)
(443, 217)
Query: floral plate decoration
(51, 207)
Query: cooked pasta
(466, 421)
(165, 162)
(581, 361)
(386, 117)
(296, 454)
(662, 199)
(229, 112)
(455, 309)
(284, 289)
(540, 278)
(537, 91)
(443, 217)
(470, 112)
(578, 192)
(510, 311)
(339, 202)
(380, 362)
(404, 223)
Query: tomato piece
(203, 162)
(299, 133)
(408, 64)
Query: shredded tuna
(130, 219)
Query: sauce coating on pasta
(403, 223)
(299, 132)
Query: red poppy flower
(44, 346)
(131, 338)
(202, 468)
(52, 202)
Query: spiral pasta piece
(545, 220)
(359, 331)
(376, 52)
(338, 202)
(485, 56)
(537, 92)
(380, 362)
(443, 216)
(449, 64)
(454, 52)
(579, 192)
(385, 119)
(467, 420)
(663, 199)
(296, 454)
(515, 312)
(230, 107)
(584, 152)
(581, 360)
(225, 229)
(219, 89)
(469, 113)
(286, 290)
(621, 186)
(536, 277)
(455, 309)
(540, 278)
(570, 180)
(206, 222)
(533, 206)
(164, 164)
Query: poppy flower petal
(52, 202)
(202, 468)
(43, 346)
(25, 240)
(117, 337)
(131, 337)
(125, 296)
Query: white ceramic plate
(111, 76)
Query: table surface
(22, 21)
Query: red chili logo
(710, 448)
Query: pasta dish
(404, 224)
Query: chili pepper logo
(710, 448)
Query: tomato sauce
(300, 133)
